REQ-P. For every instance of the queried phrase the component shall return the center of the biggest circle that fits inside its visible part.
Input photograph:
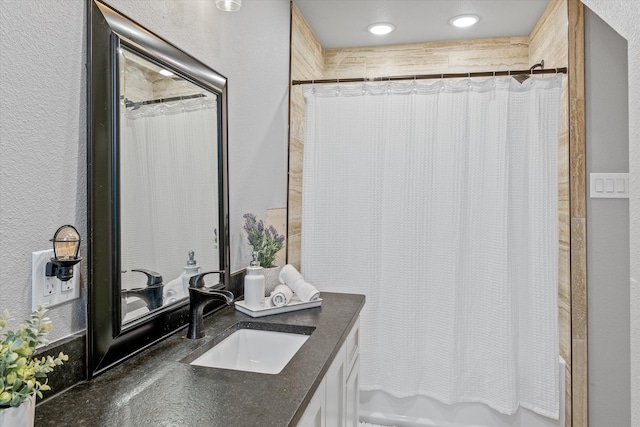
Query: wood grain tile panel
(293, 256)
(549, 42)
(568, 421)
(578, 159)
(296, 148)
(579, 396)
(295, 203)
(579, 369)
(495, 54)
(548, 39)
(578, 208)
(428, 58)
(306, 52)
(577, 109)
(578, 279)
(307, 63)
(564, 305)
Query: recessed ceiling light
(381, 28)
(229, 5)
(463, 21)
(166, 73)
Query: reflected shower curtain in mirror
(438, 201)
(168, 162)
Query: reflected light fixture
(381, 28)
(463, 21)
(166, 73)
(66, 244)
(229, 5)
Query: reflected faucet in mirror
(199, 297)
(151, 294)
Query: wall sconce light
(66, 244)
(229, 5)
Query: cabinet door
(352, 395)
(335, 403)
(314, 415)
(335, 395)
(353, 345)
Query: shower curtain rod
(562, 70)
(136, 105)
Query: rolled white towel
(281, 295)
(292, 277)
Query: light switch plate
(609, 185)
(50, 291)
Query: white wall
(623, 16)
(43, 119)
(607, 150)
(42, 143)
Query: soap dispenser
(191, 269)
(254, 284)
(178, 288)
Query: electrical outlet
(49, 290)
(66, 286)
(49, 286)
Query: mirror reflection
(168, 169)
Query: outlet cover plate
(50, 291)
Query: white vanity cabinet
(314, 415)
(335, 403)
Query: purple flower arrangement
(264, 240)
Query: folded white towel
(281, 295)
(292, 277)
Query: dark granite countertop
(155, 388)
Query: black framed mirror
(158, 185)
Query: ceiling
(343, 23)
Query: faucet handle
(153, 278)
(197, 281)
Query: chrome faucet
(199, 297)
(150, 294)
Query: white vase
(21, 416)
(271, 279)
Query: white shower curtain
(168, 190)
(438, 201)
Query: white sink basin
(253, 350)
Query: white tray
(294, 305)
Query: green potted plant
(266, 242)
(23, 376)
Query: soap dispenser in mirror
(178, 288)
(254, 284)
